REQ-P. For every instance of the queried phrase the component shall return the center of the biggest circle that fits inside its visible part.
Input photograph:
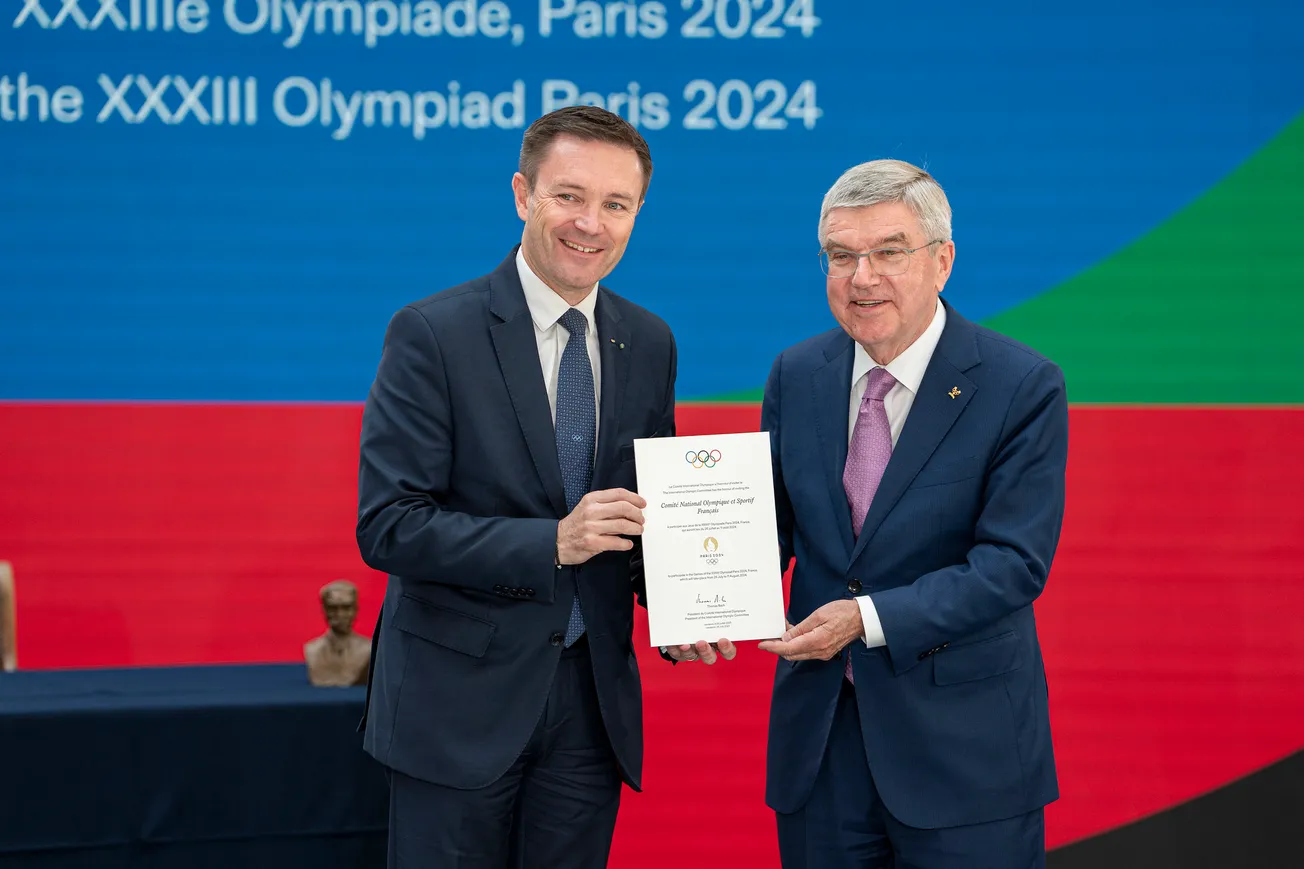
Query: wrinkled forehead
(884, 225)
(593, 167)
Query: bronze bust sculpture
(8, 634)
(340, 656)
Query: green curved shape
(1207, 308)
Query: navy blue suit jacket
(459, 497)
(955, 548)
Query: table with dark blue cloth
(239, 767)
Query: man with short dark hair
(497, 489)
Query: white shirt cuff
(873, 627)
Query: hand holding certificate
(710, 539)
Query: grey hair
(880, 181)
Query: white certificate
(710, 539)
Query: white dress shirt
(908, 370)
(546, 308)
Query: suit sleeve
(665, 429)
(770, 422)
(405, 465)
(1015, 538)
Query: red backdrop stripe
(164, 534)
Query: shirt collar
(546, 307)
(908, 368)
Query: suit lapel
(518, 357)
(831, 394)
(613, 348)
(934, 411)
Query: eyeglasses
(885, 261)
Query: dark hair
(588, 123)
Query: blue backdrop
(148, 254)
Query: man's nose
(589, 220)
(864, 275)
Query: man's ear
(521, 191)
(945, 263)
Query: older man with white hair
(919, 467)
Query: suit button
(556, 638)
(854, 586)
(529, 592)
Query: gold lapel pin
(955, 390)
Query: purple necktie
(871, 447)
(868, 455)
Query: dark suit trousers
(844, 824)
(555, 807)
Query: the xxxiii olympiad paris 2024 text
(320, 103)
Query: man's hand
(703, 651)
(596, 523)
(821, 635)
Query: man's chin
(583, 281)
(861, 335)
(875, 330)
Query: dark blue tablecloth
(239, 767)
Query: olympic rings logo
(702, 458)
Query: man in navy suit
(919, 467)
(497, 489)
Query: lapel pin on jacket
(955, 390)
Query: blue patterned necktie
(576, 426)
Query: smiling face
(579, 213)
(885, 314)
